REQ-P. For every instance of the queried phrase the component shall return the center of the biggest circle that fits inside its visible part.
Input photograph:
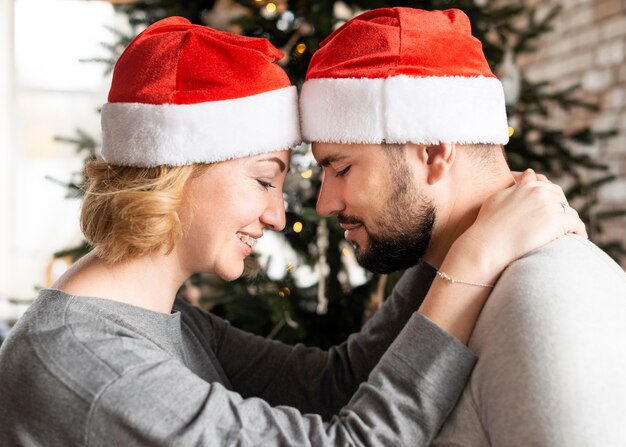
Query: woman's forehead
(281, 158)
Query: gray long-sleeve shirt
(89, 371)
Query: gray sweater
(89, 371)
(552, 347)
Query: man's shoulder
(570, 262)
(551, 342)
(568, 287)
(568, 251)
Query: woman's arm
(310, 379)
(404, 401)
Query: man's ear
(440, 158)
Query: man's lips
(349, 227)
(351, 230)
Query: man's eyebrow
(326, 161)
(281, 164)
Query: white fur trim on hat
(146, 135)
(401, 109)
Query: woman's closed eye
(265, 184)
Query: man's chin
(400, 249)
(384, 264)
(383, 258)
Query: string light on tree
(269, 11)
(284, 292)
(302, 29)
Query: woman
(109, 356)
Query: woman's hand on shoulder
(521, 218)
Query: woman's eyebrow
(281, 164)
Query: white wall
(6, 147)
(44, 92)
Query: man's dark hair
(485, 152)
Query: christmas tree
(321, 297)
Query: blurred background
(562, 64)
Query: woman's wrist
(455, 306)
(471, 259)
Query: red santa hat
(184, 93)
(403, 75)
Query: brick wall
(588, 46)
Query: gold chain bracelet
(445, 277)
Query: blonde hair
(130, 212)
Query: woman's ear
(439, 160)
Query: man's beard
(406, 223)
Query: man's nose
(329, 201)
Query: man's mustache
(349, 220)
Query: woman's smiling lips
(247, 241)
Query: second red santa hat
(403, 75)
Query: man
(408, 122)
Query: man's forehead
(326, 153)
(325, 156)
